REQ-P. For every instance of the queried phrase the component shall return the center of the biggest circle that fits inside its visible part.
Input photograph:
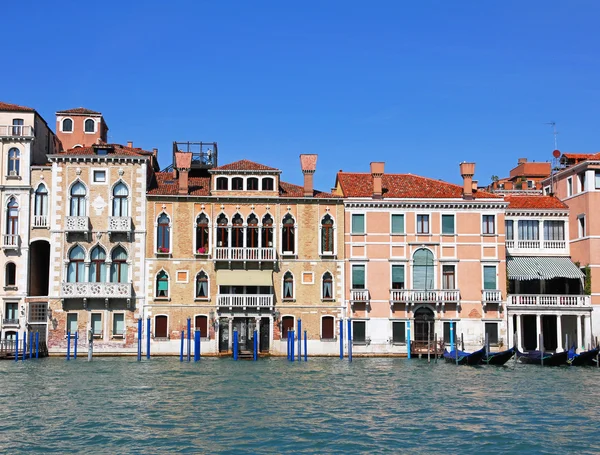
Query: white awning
(524, 268)
(244, 278)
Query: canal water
(119, 406)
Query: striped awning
(541, 268)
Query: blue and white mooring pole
(349, 340)
(341, 338)
(305, 347)
(299, 340)
(189, 338)
(408, 338)
(148, 339)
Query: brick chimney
(467, 171)
(183, 164)
(309, 165)
(377, 174)
(522, 161)
(130, 144)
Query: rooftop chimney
(467, 171)
(183, 164)
(474, 185)
(130, 144)
(377, 174)
(522, 160)
(309, 165)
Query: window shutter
(489, 277)
(397, 224)
(358, 223)
(358, 276)
(163, 285)
(397, 274)
(509, 227)
(447, 224)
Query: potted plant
(163, 249)
(202, 250)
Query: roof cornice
(428, 203)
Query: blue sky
(420, 85)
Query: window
(554, 230)
(488, 224)
(89, 126)
(581, 220)
(287, 324)
(267, 231)
(448, 277)
(237, 183)
(10, 336)
(202, 285)
(489, 277)
(118, 328)
(237, 233)
(78, 194)
(288, 286)
(397, 277)
(491, 330)
(252, 231)
(40, 203)
(359, 331)
(570, 186)
(422, 224)
(327, 235)
(38, 312)
(10, 276)
(160, 326)
(267, 184)
(423, 269)
(163, 237)
(201, 323)
(447, 224)
(397, 224)
(358, 223)
(67, 125)
(202, 234)
(582, 182)
(17, 129)
(119, 270)
(75, 268)
(97, 265)
(398, 332)
(252, 184)
(14, 161)
(528, 230)
(72, 323)
(120, 200)
(222, 231)
(327, 286)
(547, 190)
(99, 176)
(509, 227)
(358, 276)
(327, 328)
(288, 235)
(597, 180)
(96, 323)
(222, 183)
(12, 221)
(530, 184)
(162, 284)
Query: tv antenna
(554, 133)
(555, 155)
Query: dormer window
(222, 183)
(237, 183)
(252, 184)
(267, 184)
(90, 126)
(102, 152)
(67, 125)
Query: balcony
(11, 241)
(424, 296)
(40, 221)
(16, 132)
(491, 296)
(77, 224)
(359, 296)
(545, 300)
(95, 290)
(245, 254)
(119, 224)
(537, 247)
(257, 301)
(10, 322)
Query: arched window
(160, 326)
(202, 285)
(222, 231)
(12, 221)
(14, 161)
(237, 183)
(120, 200)
(202, 234)
(75, 269)
(163, 234)
(40, 205)
(423, 269)
(288, 286)
(327, 235)
(288, 235)
(267, 184)
(252, 184)
(327, 328)
(222, 183)
(10, 276)
(78, 193)
(97, 265)
(67, 125)
(327, 286)
(237, 234)
(267, 231)
(119, 270)
(252, 232)
(90, 126)
(162, 284)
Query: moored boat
(498, 358)
(549, 359)
(464, 358)
(586, 358)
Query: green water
(117, 405)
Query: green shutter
(358, 276)
(397, 224)
(397, 274)
(489, 277)
(447, 224)
(358, 223)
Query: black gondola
(586, 358)
(550, 360)
(498, 358)
(464, 358)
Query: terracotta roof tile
(14, 107)
(404, 186)
(79, 111)
(118, 149)
(244, 165)
(534, 202)
(291, 190)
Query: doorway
(424, 322)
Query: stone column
(519, 334)
(509, 333)
(230, 342)
(258, 332)
(579, 340)
(538, 330)
(559, 335)
(587, 326)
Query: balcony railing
(9, 321)
(491, 296)
(425, 296)
(10, 241)
(77, 224)
(119, 224)
(244, 254)
(246, 300)
(549, 300)
(96, 290)
(40, 221)
(15, 131)
(537, 246)
(360, 295)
